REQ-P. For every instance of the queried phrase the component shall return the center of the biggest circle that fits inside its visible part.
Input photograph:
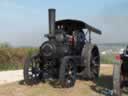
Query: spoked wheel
(95, 64)
(32, 70)
(67, 73)
(91, 59)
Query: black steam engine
(66, 55)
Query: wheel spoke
(69, 74)
(94, 65)
(69, 79)
(95, 58)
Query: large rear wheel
(91, 60)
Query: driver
(79, 37)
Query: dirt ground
(81, 88)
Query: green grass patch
(107, 59)
(13, 58)
(5, 67)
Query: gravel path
(10, 76)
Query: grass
(5, 67)
(13, 58)
(108, 59)
(15, 89)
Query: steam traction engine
(66, 54)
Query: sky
(24, 22)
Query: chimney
(52, 21)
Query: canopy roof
(76, 24)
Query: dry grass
(81, 88)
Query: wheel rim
(69, 74)
(34, 69)
(95, 64)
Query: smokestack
(52, 21)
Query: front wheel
(67, 72)
(32, 70)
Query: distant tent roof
(76, 24)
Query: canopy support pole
(89, 36)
